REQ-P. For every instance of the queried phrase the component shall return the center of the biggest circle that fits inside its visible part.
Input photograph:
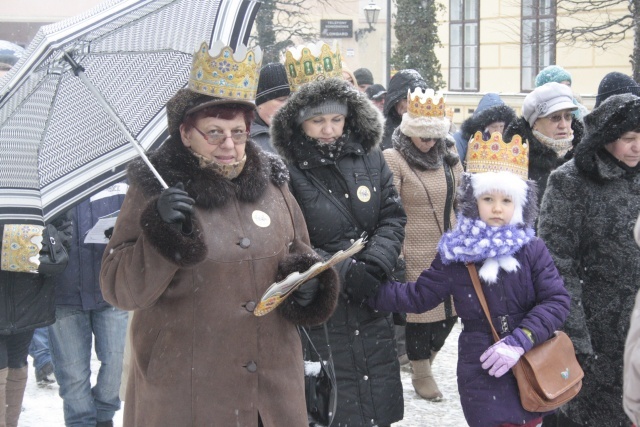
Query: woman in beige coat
(193, 260)
(426, 171)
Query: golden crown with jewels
(495, 155)
(222, 73)
(315, 61)
(427, 104)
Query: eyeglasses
(555, 118)
(215, 137)
(429, 139)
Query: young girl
(523, 288)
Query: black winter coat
(362, 340)
(27, 300)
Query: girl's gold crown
(427, 104)
(314, 61)
(495, 155)
(222, 73)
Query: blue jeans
(71, 341)
(39, 348)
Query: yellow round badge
(261, 219)
(364, 194)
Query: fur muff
(614, 117)
(363, 118)
(326, 299)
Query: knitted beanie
(375, 91)
(616, 83)
(364, 76)
(272, 83)
(332, 106)
(552, 73)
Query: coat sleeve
(429, 291)
(384, 246)
(631, 371)
(301, 257)
(560, 224)
(144, 254)
(551, 298)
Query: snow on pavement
(42, 407)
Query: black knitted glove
(307, 292)
(175, 207)
(362, 281)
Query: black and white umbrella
(89, 93)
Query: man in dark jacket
(272, 93)
(395, 103)
(83, 316)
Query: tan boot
(16, 384)
(3, 402)
(423, 382)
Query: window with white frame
(538, 40)
(464, 47)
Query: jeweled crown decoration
(495, 155)
(425, 104)
(222, 73)
(312, 62)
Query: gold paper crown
(495, 155)
(427, 104)
(312, 62)
(222, 73)
(21, 245)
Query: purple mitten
(504, 354)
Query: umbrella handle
(78, 70)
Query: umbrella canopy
(59, 142)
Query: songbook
(279, 291)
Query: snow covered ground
(43, 406)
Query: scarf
(560, 146)
(330, 151)
(229, 171)
(430, 160)
(473, 241)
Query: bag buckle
(504, 324)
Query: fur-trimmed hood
(540, 156)
(176, 163)
(441, 151)
(605, 124)
(363, 120)
(485, 115)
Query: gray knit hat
(273, 83)
(364, 76)
(546, 100)
(331, 106)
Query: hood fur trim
(479, 121)
(424, 161)
(363, 119)
(176, 163)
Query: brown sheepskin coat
(200, 357)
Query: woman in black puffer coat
(344, 187)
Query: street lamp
(371, 12)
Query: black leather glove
(362, 281)
(175, 207)
(53, 255)
(306, 293)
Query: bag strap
(313, 347)
(483, 301)
(327, 193)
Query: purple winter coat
(534, 297)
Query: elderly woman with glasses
(193, 260)
(426, 171)
(548, 126)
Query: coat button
(357, 332)
(252, 367)
(245, 243)
(250, 306)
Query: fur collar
(424, 161)
(474, 241)
(363, 120)
(175, 163)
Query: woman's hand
(306, 293)
(175, 206)
(362, 281)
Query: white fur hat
(425, 127)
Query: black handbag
(53, 256)
(320, 388)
